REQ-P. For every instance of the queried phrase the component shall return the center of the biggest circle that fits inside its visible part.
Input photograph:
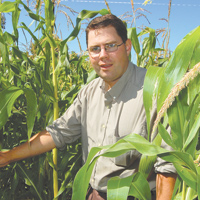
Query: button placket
(102, 135)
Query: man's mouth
(106, 66)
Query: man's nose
(103, 53)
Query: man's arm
(39, 143)
(165, 186)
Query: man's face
(110, 66)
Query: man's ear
(128, 46)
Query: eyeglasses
(95, 50)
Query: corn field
(37, 86)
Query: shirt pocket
(127, 158)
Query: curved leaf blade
(140, 187)
(178, 64)
(31, 109)
(8, 97)
(7, 6)
(84, 14)
(118, 188)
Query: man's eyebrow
(112, 42)
(98, 45)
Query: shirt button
(103, 126)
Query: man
(106, 110)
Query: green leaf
(193, 131)
(193, 88)
(92, 75)
(191, 194)
(151, 82)
(14, 182)
(68, 175)
(187, 175)
(166, 137)
(4, 53)
(17, 52)
(7, 6)
(15, 20)
(146, 164)
(180, 158)
(8, 38)
(82, 178)
(176, 187)
(47, 87)
(31, 14)
(198, 182)
(84, 14)
(31, 109)
(51, 41)
(49, 15)
(193, 109)
(30, 181)
(8, 97)
(140, 187)
(178, 64)
(132, 34)
(118, 188)
(144, 146)
(177, 119)
(33, 36)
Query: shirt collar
(113, 93)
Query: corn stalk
(55, 110)
(50, 20)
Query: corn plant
(176, 88)
(29, 89)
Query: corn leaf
(84, 14)
(48, 88)
(140, 187)
(181, 158)
(7, 6)
(191, 194)
(187, 175)
(118, 188)
(30, 13)
(166, 137)
(82, 178)
(132, 34)
(151, 81)
(26, 175)
(178, 64)
(198, 182)
(193, 131)
(8, 97)
(32, 35)
(31, 109)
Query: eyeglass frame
(97, 54)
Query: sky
(184, 17)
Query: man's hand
(165, 186)
(4, 159)
(38, 144)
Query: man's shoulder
(138, 75)
(93, 85)
(140, 70)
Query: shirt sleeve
(67, 128)
(162, 166)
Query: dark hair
(108, 20)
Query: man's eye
(95, 49)
(110, 45)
